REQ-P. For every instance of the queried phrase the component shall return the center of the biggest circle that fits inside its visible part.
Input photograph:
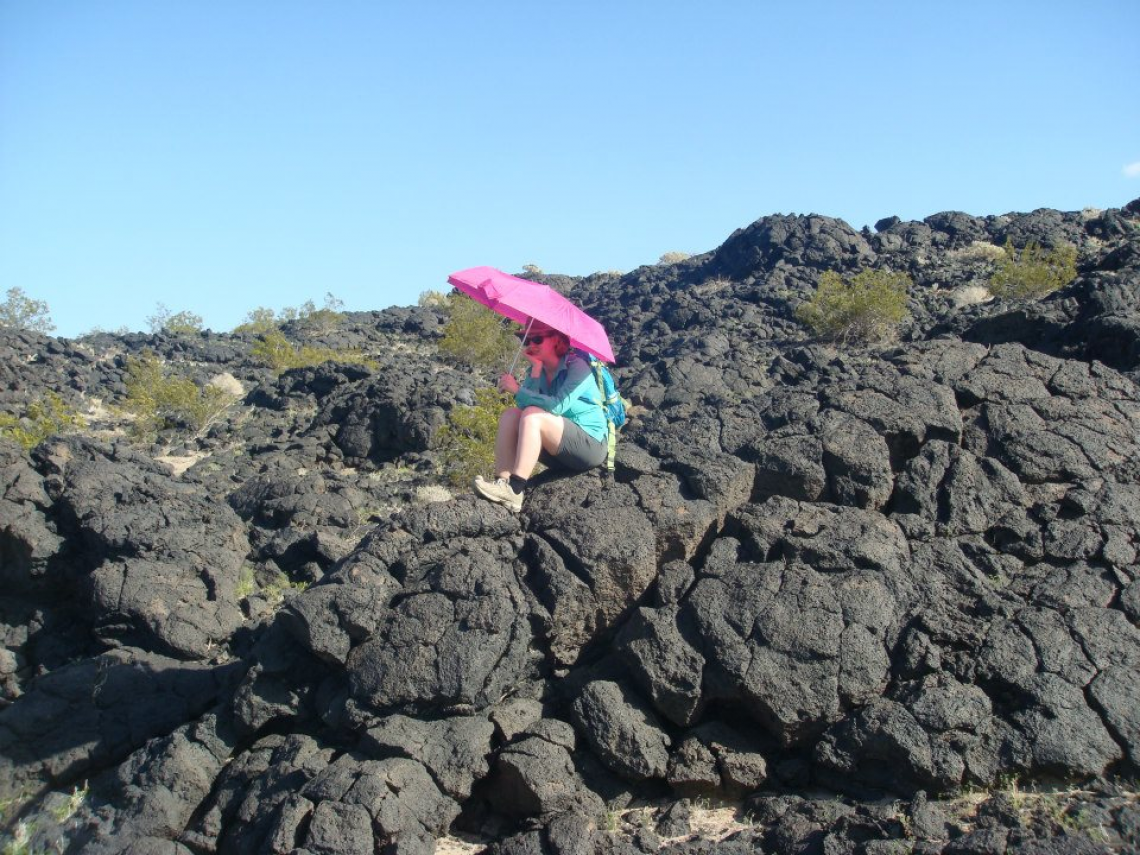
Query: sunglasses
(535, 339)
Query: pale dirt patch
(450, 845)
(979, 250)
(711, 822)
(716, 823)
(97, 410)
(179, 465)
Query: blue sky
(221, 155)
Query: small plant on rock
(1032, 272)
(467, 442)
(246, 582)
(869, 307)
(41, 418)
(20, 841)
(280, 585)
(71, 805)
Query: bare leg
(537, 430)
(506, 442)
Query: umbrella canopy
(522, 300)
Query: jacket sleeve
(578, 385)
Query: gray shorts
(579, 451)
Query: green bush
(432, 299)
(21, 312)
(278, 353)
(176, 323)
(475, 336)
(1033, 272)
(258, 321)
(159, 402)
(869, 307)
(467, 442)
(325, 319)
(322, 320)
(272, 588)
(42, 418)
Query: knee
(510, 416)
(533, 417)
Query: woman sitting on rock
(559, 418)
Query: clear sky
(222, 155)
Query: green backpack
(613, 405)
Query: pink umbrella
(523, 301)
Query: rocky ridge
(856, 593)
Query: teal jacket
(573, 395)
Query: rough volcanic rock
(906, 569)
(455, 751)
(625, 735)
(27, 540)
(594, 557)
(162, 559)
(397, 411)
(84, 717)
(535, 774)
(457, 635)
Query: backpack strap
(611, 429)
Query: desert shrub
(868, 307)
(466, 444)
(159, 402)
(432, 299)
(475, 336)
(673, 257)
(532, 270)
(271, 586)
(41, 418)
(21, 312)
(1032, 272)
(175, 323)
(322, 320)
(278, 353)
(258, 321)
(246, 582)
(311, 319)
(121, 330)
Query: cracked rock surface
(899, 574)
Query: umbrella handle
(518, 352)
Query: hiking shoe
(500, 492)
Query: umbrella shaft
(518, 352)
